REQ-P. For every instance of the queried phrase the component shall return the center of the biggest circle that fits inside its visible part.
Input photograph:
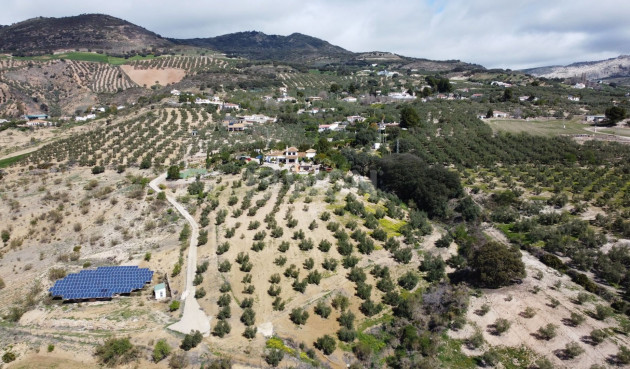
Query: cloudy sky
(494, 33)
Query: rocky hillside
(618, 67)
(259, 46)
(87, 31)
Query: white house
(85, 118)
(573, 98)
(175, 92)
(500, 114)
(355, 118)
(400, 96)
(160, 291)
(350, 99)
(327, 127)
(595, 118)
(230, 106)
(310, 153)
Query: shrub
(576, 319)
(497, 265)
(174, 305)
(225, 266)
(324, 246)
(273, 357)
(573, 350)
(340, 302)
(330, 264)
(221, 328)
(408, 281)
(56, 273)
(602, 312)
(8, 357)
(326, 344)
(350, 261)
(161, 350)
(623, 355)
(192, 340)
(547, 332)
(363, 290)
(116, 351)
(369, 308)
(346, 319)
(200, 293)
(598, 336)
(178, 361)
(248, 317)
(298, 316)
(501, 326)
(224, 300)
(403, 255)
(51, 348)
(250, 332)
(322, 309)
(346, 335)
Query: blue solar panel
(102, 282)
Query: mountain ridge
(618, 67)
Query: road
(193, 317)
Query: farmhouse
(290, 155)
(35, 116)
(500, 114)
(230, 106)
(355, 118)
(595, 118)
(327, 127)
(350, 99)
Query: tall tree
(409, 117)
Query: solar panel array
(102, 282)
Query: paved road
(193, 318)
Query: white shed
(160, 291)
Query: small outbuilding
(160, 291)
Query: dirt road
(193, 318)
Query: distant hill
(94, 31)
(259, 46)
(618, 67)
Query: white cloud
(494, 33)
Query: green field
(8, 161)
(538, 127)
(89, 57)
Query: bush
(326, 344)
(193, 339)
(273, 357)
(174, 305)
(56, 273)
(200, 293)
(602, 312)
(623, 355)
(322, 309)
(501, 326)
(403, 255)
(161, 350)
(346, 335)
(497, 265)
(346, 319)
(8, 357)
(221, 329)
(116, 351)
(573, 350)
(298, 316)
(248, 317)
(250, 332)
(408, 281)
(598, 336)
(547, 332)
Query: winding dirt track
(193, 318)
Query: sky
(511, 34)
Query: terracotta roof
(311, 150)
(292, 149)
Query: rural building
(574, 98)
(500, 114)
(290, 155)
(35, 116)
(355, 118)
(350, 99)
(230, 106)
(160, 291)
(327, 127)
(595, 118)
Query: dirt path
(193, 318)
